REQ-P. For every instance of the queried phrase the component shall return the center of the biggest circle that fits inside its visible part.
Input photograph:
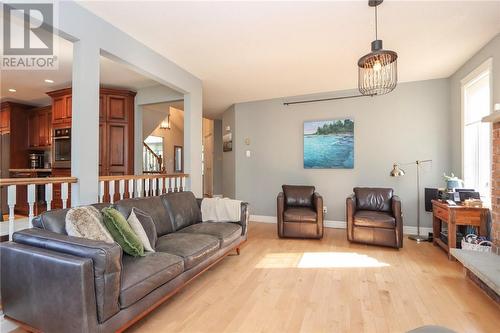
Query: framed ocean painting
(329, 144)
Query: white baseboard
(408, 230)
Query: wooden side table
(455, 216)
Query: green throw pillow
(121, 232)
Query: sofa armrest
(318, 207)
(48, 290)
(245, 216)
(350, 211)
(106, 258)
(280, 210)
(398, 215)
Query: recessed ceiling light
(49, 81)
(12, 90)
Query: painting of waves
(329, 144)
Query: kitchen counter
(31, 170)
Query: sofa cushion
(182, 208)
(55, 220)
(300, 214)
(86, 222)
(193, 248)
(138, 229)
(296, 195)
(153, 206)
(142, 275)
(122, 233)
(148, 224)
(369, 218)
(226, 232)
(368, 198)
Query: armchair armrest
(47, 290)
(398, 215)
(318, 207)
(106, 258)
(280, 210)
(350, 211)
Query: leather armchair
(300, 212)
(374, 217)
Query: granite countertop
(30, 170)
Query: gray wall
(217, 167)
(490, 50)
(229, 157)
(408, 124)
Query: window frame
(486, 66)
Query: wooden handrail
(148, 176)
(37, 181)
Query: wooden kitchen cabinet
(116, 127)
(4, 118)
(40, 128)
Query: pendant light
(377, 70)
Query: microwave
(61, 145)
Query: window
(476, 104)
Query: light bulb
(377, 66)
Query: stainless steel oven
(61, 146)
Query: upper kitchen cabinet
(61, 107)
(40, 128)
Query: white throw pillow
(137, 227)
(86, 222)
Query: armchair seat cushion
(374, 219)
(142, 275)
(193, 248)
(226, 232)
(300, 214)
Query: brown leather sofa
(300, 212)
(51, 282)
(374, 217)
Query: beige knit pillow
(86, 222)
(138, 229)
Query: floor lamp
(398, 172)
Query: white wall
(77, 24)
(490, 50)
(408, 124)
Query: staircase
(151, 162)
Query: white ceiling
(247, 51)
(31, 87)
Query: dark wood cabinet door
(58, 109)
(4, 119)
(34, 130)
(117, 148)
(43, 128)
(102, 108)
(117, 108)
(49, 128)
(68, 110)
(103, 163)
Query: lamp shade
(397, 171)
(377, 71)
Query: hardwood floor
(279, 285)
(287, 285)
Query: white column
(138, 139)
(193, 141)
(85, 123)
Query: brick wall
(495, 186)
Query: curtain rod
(326, 99)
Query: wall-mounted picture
(329, 144)
(227, 142)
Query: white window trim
(486, 66)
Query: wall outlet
(325, 210)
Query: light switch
(248, 153)
(247, 141)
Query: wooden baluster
(146, 187)
(111, 189)
(48, 195)
(160, 186)
(130, 188)
(154, 183)
(101, 191)
(31, 203)
(64, 195)
(11, 201)
(121, 187)
(169, 184)
(138, 186)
